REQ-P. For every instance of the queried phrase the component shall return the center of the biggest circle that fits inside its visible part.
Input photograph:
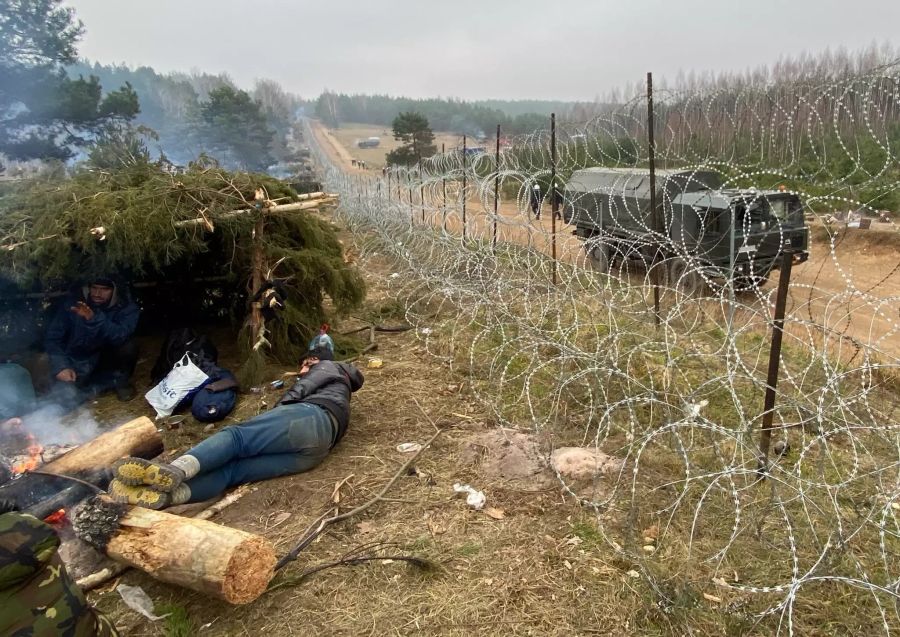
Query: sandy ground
(341, 146)
(853, 288)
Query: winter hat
(322, 341)
(103, 281)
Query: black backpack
(180, 342)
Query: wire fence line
(553, 318)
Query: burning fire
(56, 518)
(33, 461)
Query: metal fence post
(654, 213)
(765, 436)
(412, 213)
(496, 190)
(465, 167)
(444, 188)
(554, 203)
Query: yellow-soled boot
(141, 496)
(137, 471)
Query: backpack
(180, 342)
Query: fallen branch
(322, 522)
(288, 207)
(353, 561)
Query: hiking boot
(135, 472)
(125, 393)
(138, 496)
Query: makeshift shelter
(197, 245)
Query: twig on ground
(323, 522)
(352, 561)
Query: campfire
(23, 452)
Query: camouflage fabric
(37, 596)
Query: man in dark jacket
(89, 343)
(293, 437)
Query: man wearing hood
(89, 343)
(295, 436)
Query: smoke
(51, 424)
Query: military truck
(698, 219)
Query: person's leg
(284, 429)
(114, 370)
(302, 430)
(208, 485)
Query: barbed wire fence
(554, 319)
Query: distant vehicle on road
(369, 142)
(610, 209)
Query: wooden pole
(257, 322)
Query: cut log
(203, 556)
(137, 437)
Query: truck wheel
(685, 279)
(750, 283)
(599, 258)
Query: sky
(471, 49)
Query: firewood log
(210, 558)
(137, 437)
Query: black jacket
(75, 343)
(328, 385)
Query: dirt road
(852, 287)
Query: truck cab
(718, 232)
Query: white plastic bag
(184, 378)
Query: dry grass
(545, 568)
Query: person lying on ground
(295, 436)
(89, 343)
(37, 595)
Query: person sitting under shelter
(89, 343)
(16, 393)
(295, 436)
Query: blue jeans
(284, 440)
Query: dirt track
(842, 288)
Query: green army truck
(703, 228)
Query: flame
(34, 452)
(56, 518)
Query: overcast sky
(473, 49)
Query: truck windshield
(785, 208)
